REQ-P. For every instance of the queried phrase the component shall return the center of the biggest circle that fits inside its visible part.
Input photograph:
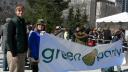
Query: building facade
(124, 5)
(96, 8)
(106, 8)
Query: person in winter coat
(33, 41)
(3, 33)
(17, 41)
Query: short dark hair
(19, 6)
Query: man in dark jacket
(4, 45)
(107, 38)
(107, 35)
(17, 41)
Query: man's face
(20, 12)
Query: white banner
(58, 55)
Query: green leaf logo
(89, 59)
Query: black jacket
(17, 36)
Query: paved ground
(124, 67)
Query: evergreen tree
(84, 20)
(71, 18)
(50, 10)
(76, 19)
(77, 16)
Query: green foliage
(50, 10)
(75, 19)
(83, 20)
(78, 15)
(71, 18)
(71, 14)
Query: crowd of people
(84, 35)
(92, 37)
(20, 41)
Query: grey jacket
(4, 35)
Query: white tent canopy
(120, 17)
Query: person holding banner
(80, 35)
(33, 42)
(118, 36)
